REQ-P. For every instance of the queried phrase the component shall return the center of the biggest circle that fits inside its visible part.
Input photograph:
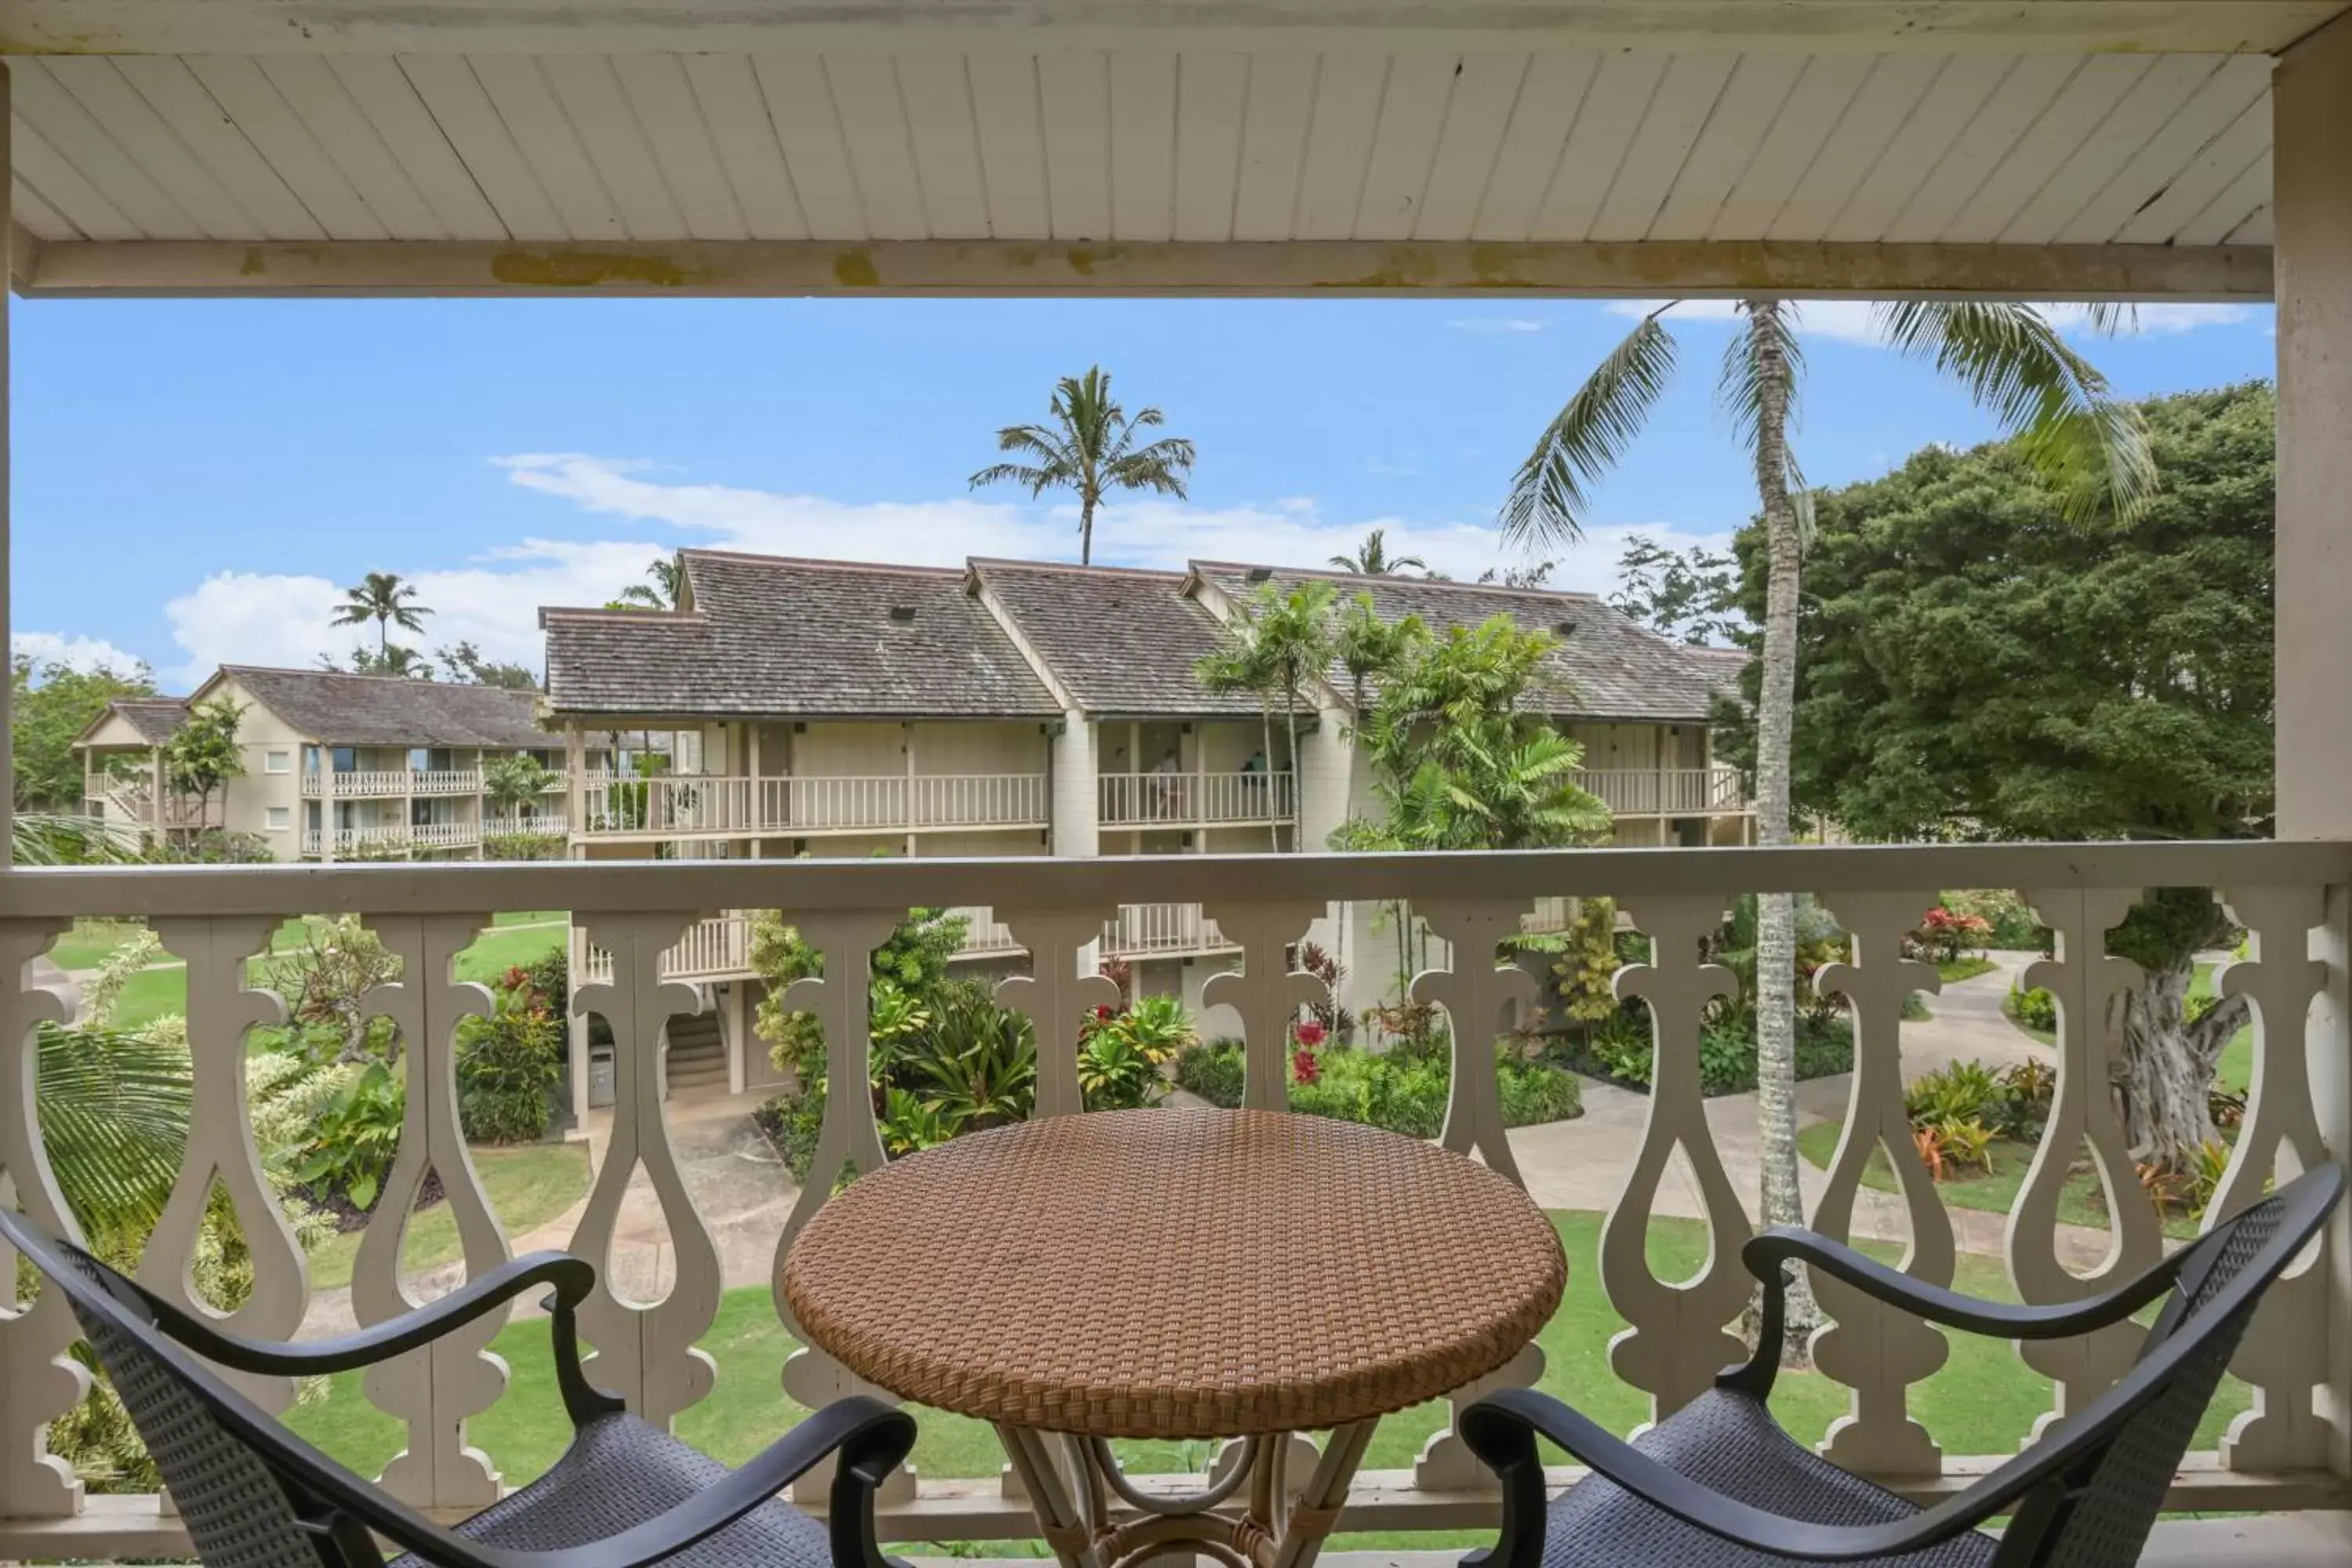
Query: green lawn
(2080, 1202)
(514, 938)
(1966, 967)
(1983, 1402)
(2235, 1070)
(527, 1188)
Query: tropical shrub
(975, 1063)
(1943, 935)
(1212, 1070)
(1403, 1093)
(1115, 1073)
(509, 1064)
(351, 1139)
(2010, 925)
(1621, 1052)
(2033, 1009)
(523, 845)
(219, 846)
(326, 982)
(1339, 1021)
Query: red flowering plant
(1942, 936)
(1304, 1067)
(1310, 1034)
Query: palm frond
(2014, 363)
(1035, 480)
(1588, 437)
(50, 838)
(113, 1111)
(1739, 386)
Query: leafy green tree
(910, 966)
(465, 665)
(382, 597)
(1689, 595)
(1458, 764)
(52, 705)
(514, 783)
(1971, 665)
(1369, 647)
(1371, 558)
(202, 754)
(1089, 448)
(1274, 645)
(669, 581)
(2014, 363)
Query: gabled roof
(774, 637)
(1120, 641)
(153, 719)
(1723, 666)
(387, 711)
(1608, 667)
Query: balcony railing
(1170, 800)
(718, 948)
(1667, 792)
(1680, 1325)
(1138, 931)
(361, 842)
(691, 807)
(377, 784)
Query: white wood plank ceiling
(2033, 149)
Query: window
(281, 818)
(346, 759)
(309, 759)
(277, 762)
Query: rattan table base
(1250, 1516)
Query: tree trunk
(1087, 532)
(2165, 1074)
(1776, 922)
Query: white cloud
(1853, 321)
(1499, 324)
(492, 600)
(78, 652)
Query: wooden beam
(593, 27)
(1723, 269)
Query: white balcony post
(758, 806)
(2311, 126)
(1077, 793)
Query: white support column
(1077, 788)
(575, 768)
(909, 728)
(2312, 194)
(7, 272)
(752, 728)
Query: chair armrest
(1764, 1253)
(1501, 1429)
(870, 1437)
(573, 1279)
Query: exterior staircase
(698, 1054)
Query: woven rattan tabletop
(1173, 1273)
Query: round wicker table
(1177, 1274)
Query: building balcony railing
(1667, 792)
(1138, 931)
(689, 806)
(359, 843)
(1195, 800)
(1680, 1320)
(378, 783)
(718, 948)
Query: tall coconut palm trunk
(1776, 919)
(1266, 724)
(1273, 799)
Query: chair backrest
(2149, 1418)
(237, 1514)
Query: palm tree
(1371, 559)
(384, 598)
(1367, 647)
(1274, 644)
(2007, 356)
(1090, 449)
(668, 576)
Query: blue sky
(193, 478)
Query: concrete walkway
(1583, 1165)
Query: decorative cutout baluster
(38, 1381)
(1675, 1342)
(1267, 993)
(2284, 1354)
(1875, 1349)
(1472, 992)
(848, 1140)
(221, 1149)
(1054, 993)
(432, 1390)
(645, 1352)
(2085, 981)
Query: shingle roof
(1121, 641)
(386, 710)
(155, 718)
(1723, 666)
(774, 637)
(1608, 667)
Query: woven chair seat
(620, 1472)
(1729, 1442)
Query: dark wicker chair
(1718, 1485)
(623, 1494)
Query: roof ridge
(1075, 569)
(901, 568)
(1332, 574)
(404, 680)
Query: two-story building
(339, 767)
(842, 709)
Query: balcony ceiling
(2067, 147)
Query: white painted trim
(1336, 268)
